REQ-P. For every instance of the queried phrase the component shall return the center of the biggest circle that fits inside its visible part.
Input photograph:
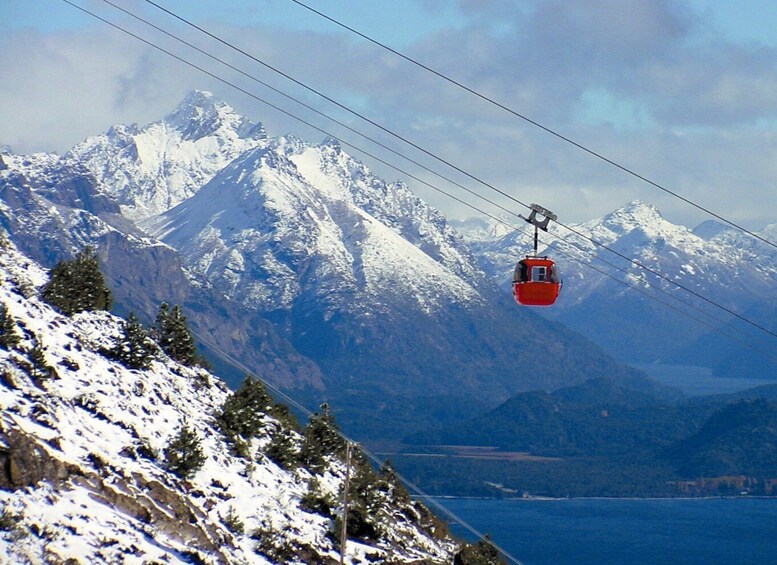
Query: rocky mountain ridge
(296, 259)
(713, 260)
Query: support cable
(459, 169)
(291, 401)
(378, 159)
(378, 143)
(374, 458)
(535, 123)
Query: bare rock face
(25, 462)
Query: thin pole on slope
(346, 486)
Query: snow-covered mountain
(359, 291)
(150, 169)
(84, 473)
(292, 219)
(714, 261)
(52, 207)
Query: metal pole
(535, 240)
(344, 521)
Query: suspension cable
(237, 363)
(447, 162)
(535, 123)
(374, 458)
(382, 145)
(378, 159)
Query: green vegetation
(321, 440)
(9, 338)
(480, 553)
(77, 285)
(184, 456)
(738, 439)
(135, 349)
(600, 439)
(174, 336)
(243, 413)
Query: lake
(698, 381)
(625, 531)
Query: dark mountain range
(601, 438)
(597, 418)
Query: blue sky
(683, 92)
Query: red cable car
(536, 281)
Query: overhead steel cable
(340, 105)
(675, 283)
(374, 458)
(285, 396)
(378, 159)
(371, 139)
(382, 145)
(237, 363)
(309, 107)
(535, 123)
(435, 156)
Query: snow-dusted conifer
(134, 349)
(174, 336)
(243, 413)
(77, 285)
(8, 336)
(321, 438)
(184, 455)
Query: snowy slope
(82, 478)
(291, 218)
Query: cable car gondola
(536, 281)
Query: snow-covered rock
(151, 169)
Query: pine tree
(388, 482)
(135, 349)
(8, 336)
(77, 285)
(184, 455)
(367, 503)
(321, 438)
(283, 448)
(242, 414)
(175, 337)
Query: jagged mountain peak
(152, 168)
(634, 215)
(271, 227)
(200, 114)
